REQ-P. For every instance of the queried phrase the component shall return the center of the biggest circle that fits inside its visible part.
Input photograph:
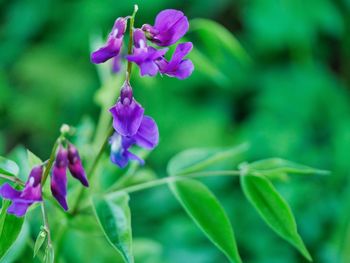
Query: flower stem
(12, 179)
(50, 161)
(46, 224)
(131, 40)
(161, 181)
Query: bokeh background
(289, 98)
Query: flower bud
(59, 178)
(75, 166)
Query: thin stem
(46, 223)
(131, 40)
(12, 179)
(50, 161)
(161, 181)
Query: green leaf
(205, 210)
(113, 214)
(10, 227)
(274, 210)
(198, 159)
(39, 241)
(278, 165)
(33, 160)
(227, 39)
(8, 167)
(49, 254)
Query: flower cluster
(66, 158)
(169, 27)
(131, 126)
(32, 192)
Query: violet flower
(177, 66)
(132, 128)
(75, 166)
(145, 56)
(114, 43)
(169, 27)
(22, 200)
(59, 178)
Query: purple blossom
(127, 113)
(177, 66)
(75, 166)
(22, 200)
(145, 56)
(59, 178)
(132, 128)
(114, 43)
(169, 27)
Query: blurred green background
(289, 99)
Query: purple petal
(134, 157)
(183, 71)
(31, 194)
(110, 50)
(116, 66)
(119, 158)
(180, 52)
(127, 117)
(140, 40)
(35, 176)
(59, 185)
(148, 135)
(119, 27)
(75, 166)
(148, 68)
(18, 209)
(78, 173)
(146, 58)
(8, 192)
(177, 67)
(169, 27)
(113, 45)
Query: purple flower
(114, 43)
(145, 56)
(132, 128)
(59, 178)
(169, 27)
(127, 113)
(75, 166)
(21, 200)
(177, 66)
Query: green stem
(161, 181)
(131, 40)
(50, 161)
(46, 224)
(12, 179)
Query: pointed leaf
(273, 209)
(113, 214)
(278, 165)
(10, 227)
(39, 242)
(49, 254)
(205, 210)
(198, 159)
(33, 160)
(8, 167)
